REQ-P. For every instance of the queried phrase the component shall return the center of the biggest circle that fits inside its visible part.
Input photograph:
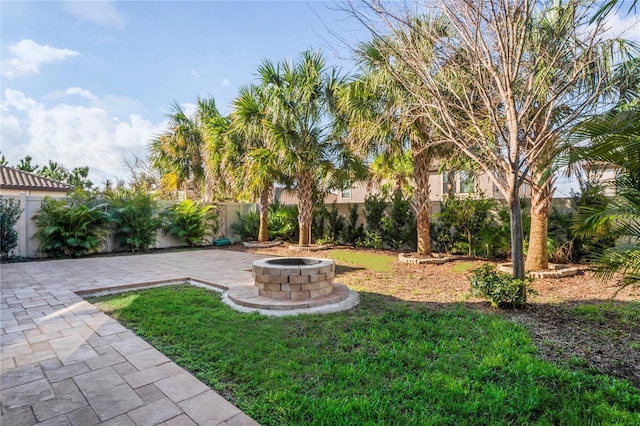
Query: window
(346, 193)
(467, 183)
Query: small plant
(72, 227)
(499, 288)
(9, 214)
(190, 221)
(135, 216)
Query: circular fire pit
(296, 278)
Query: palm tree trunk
(265, 197)
(538, 254)
(421, 162)
(305, 206)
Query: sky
(89, 83)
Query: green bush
(336, 225)
(135, 219)
(398, 225)
(191, 222)
(72, 227)
(318, 225)
(247, 225)
(282, 223)
(374, 208)
(467, 216)
(499, 288)
(9, 214)
(353, 233)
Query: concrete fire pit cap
(288, 264)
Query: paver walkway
(64, 362)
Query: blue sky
(86, 83)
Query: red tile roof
(11, 178)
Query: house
(603, 172)
(16, 182)
(29, 189)
(440, 184)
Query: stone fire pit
(297, 278)
(292, 285)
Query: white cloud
(81, 92)
(27, 56)
(624, 25)
(226, 82)
(102, 13)
(195, 73)
(73, 135)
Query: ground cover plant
(387, 362)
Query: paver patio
(64, 362)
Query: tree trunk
(538, 254)
(515, 214)
(265, 197)
(451, 184)
(305, 206)
(421, 163)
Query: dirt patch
(559, 319)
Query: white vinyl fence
(30, 205)
(227, 216)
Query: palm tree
(385, 120)
(303, 131)
(54, 170)
(260, 168)
(593, 71)
(615, 138)
(26, 166)
(178, 153)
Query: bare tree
(493, 86)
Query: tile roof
(11, 178)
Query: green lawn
(371, 261)
(383, 363)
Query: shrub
(72, 227)
(191, 222)
(398, 225)
(467, 216)
(318, 225)
(283, 222)
(9, 214)
(246, 225)
(374, 208)
(353, 233)
(335, 227)
(135, 216)
(499, 288)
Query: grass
(607, 312)
(462, 267)
(385, 362)
(374, 262)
